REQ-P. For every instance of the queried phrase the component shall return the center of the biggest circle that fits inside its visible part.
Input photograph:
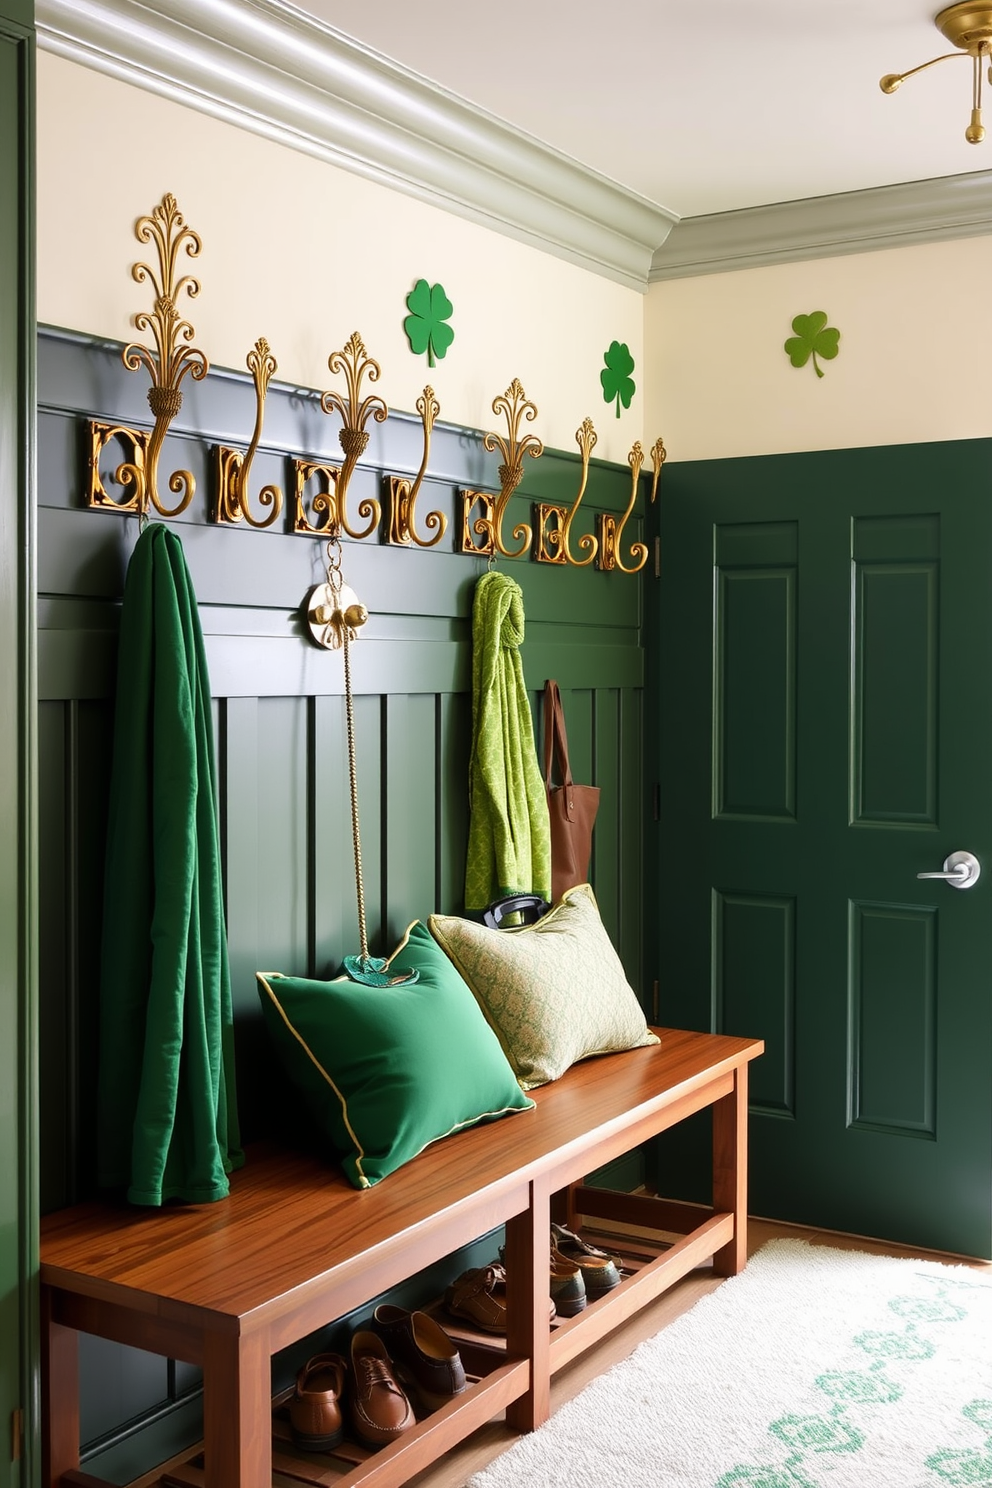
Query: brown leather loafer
(379, 1408)
(315, 1407)
(427, 1362)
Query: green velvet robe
(167, 1114)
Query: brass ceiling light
(967, 26)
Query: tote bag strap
(556, 742)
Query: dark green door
(823, 734)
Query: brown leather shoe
(315, 1408)
(600, 1271)
(568, 1289)
(379, 1409)
(480, 1296)
(427, 1362)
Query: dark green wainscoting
(281, 739)
(19, 1465)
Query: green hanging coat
(167, 1114)
(509, 838)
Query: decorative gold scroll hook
(611, 531)
(554, 523)
(353, 436)
(515, 406)
(403, 494)
(658, 457)
(585, 438)
(233, 467)
(171, 359)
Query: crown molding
(266, 66)
(828, 226)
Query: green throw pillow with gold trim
(554, 991)
(385, 1071)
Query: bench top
(293, 1227)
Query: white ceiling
(703, 106)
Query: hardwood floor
(456, 1467)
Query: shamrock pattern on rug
(862, 1391)
(968, 1467)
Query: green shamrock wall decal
(615, 376)
(425, 326)
(813, 338)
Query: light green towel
(167, 1123)
(509, 836)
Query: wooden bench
(227, 1285)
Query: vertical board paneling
(242, 846)
(369, 727)
(409, 784)
(55, 959)
(334, 914)
(280, 809)
(606, 837)
(893, 1030)
(453, 720)
(630, 847)
(112, 1376)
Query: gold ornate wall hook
(355, 411)
(554, 524)
(611, 531)
(171, 358)
(403, 494)
(658, 457)
(233, 467)
(514, 405)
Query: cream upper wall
(913, 362)
(305, 253)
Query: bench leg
(528, 1333)
(237, 1411)
(730, 1172)
(59, 1395)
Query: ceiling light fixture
(969, 27)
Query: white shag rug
(815, 1368)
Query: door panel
(755, 671)
(823, 733)
(754, 951)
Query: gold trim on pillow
(360, 1150)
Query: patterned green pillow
(386, 1071)
(554, 991)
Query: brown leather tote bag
(572, 807)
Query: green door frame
(20, 1465)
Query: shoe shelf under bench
(484, 1357)
(226, 1286)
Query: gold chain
(353, 784)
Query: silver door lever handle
(961, 870)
